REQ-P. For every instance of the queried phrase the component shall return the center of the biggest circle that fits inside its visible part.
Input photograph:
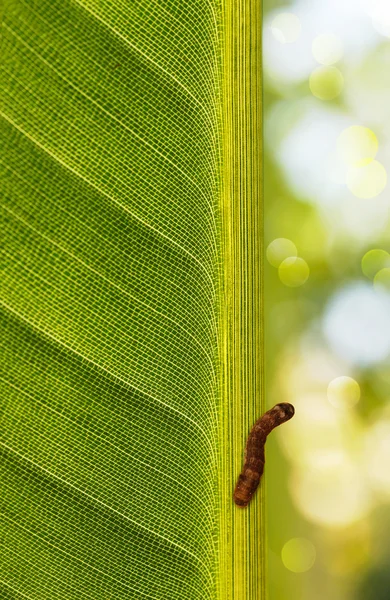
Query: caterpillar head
(284, 412)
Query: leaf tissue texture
(113, 283)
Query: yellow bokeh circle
(368, 181)
(326, 83)
(357, 146)
(374, 261)
(286, 28)
(294, 271)
(279, 250)
(382, 279)
(298, 555)
(343, 392)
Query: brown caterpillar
(253, 468)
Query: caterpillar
(253, 468)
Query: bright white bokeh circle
(286, 28)
(379, 11)
(356, 324)
(327, 49)
(367, 181)
(357, 146)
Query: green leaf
(131, 316)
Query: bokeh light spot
(367, 182)
(298, 555)
(279, 250)
(343, 392)
(326, 83)
(313, 437)
(357, 146)
(382, 280)
(374, 261)
(333, 495)
(357, 324)
(378, 456)
(379, 11)
(294, 272)
(327, 49)
(286, 28)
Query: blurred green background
(327, 142)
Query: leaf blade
(109, 297)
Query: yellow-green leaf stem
(243, 534)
